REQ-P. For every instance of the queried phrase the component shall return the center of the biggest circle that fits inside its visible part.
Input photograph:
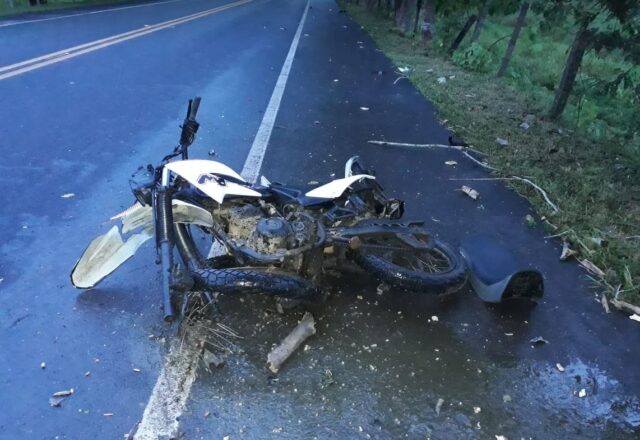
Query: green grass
(22, 6)
(588, 163)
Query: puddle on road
(374, 372)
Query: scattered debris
(538, 340)
(521, 179)
(212, 360)
(531, 222)
(381, 289)
(212, 152)
(567, 251)
(506, 398)
(451, 163)
(405, 69)
(335, 80)
(582, 393)
(136, 370)
(635, 317)
(524, 126)
(63, 393)
(364, 109)
(434, 318)
(43, 365)
(502, 142)
(477, 410)
(592, 268)
(55, 401)
(439, 406)
(312, 182)
(470, 192)
(67, 195)
(501, 437)
(305, 328)
(605, 303)
(399, 78)
(622, 305)
(442, 80)
(108, 414)
(560, 367)
(207, 414)
(452, 76)
(87, 374)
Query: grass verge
(595, 185)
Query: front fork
(163, 218)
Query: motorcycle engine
(265, 233)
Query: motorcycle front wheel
(438, 270)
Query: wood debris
(470, 192)
(67, 195)
(623, 305)
(451, 163)
(635, 317)
(591, 268)
(439, 406)
(605, 303)
(567, 251)
(560, 367)
(305, 328)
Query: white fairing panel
(333, 190)
(196, 171)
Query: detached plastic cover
(495, 274)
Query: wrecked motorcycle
(276, 238)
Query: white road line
(72, 52)
(60, 17)
(258, 149)
(171, 391)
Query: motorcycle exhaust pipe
(164, 236)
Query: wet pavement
(379, 364)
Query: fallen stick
(622, 305)
(482, 164)
(449, 147)
(305, 328)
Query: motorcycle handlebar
(194, 105)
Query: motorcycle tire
(255, 280)
(438, 283)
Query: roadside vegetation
(550, 91)
(14, 7)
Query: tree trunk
(416, 18)
(524, 8)
(429, 23)
(404, 14)
(456, 43)
(400, 7)
(574, 60)
(484, 7)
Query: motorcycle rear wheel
(439, 270)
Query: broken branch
(305, 328)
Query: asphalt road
(84, 124)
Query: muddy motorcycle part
(496, 275)
(241, 280)
(412, 262)
(163, 216)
